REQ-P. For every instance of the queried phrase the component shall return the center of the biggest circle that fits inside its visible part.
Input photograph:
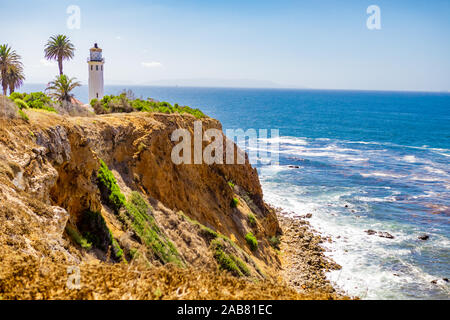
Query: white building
(96, 82)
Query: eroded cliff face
(49, 181)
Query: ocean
(356, 161)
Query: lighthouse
(96, 82)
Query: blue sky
(312, 44)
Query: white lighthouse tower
(96, 82)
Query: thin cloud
(47, 63)
(152, 64)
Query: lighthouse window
(97, 95)
(91, 68)
(102, 68)
(96, 67)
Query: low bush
(108, 185)
(224, 261)
(23, 115)
(137, 216)
(126, 102)
(78, 238)
(21, 104)
(206, 232)
(144, 224)
(275, 242)
(33, 100)
(95, 231)
(251, 241)
(234, 203)
(251, 219)
(241, 265)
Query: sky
(300, 44)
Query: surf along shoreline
(304, 263)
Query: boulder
(385, 235)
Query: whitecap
(382, 175)
(410, 159)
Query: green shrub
(78, 238)
(137, 216)
(144, 224)
(234, 202)
(23, 115)
(33, 100)
(228, 262)
(251, 241)
(241, 265)
(93, 102)
(96, 232)
(117, 249)
(208, 232)
(21, 104)
(231, 184)
(108, 184)
(274, 242)
(224, 260)
(126, 102)
(16, 95)
(251, 219)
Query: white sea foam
(410, 159)
(373, 267)
(286, 140)
(425, 178)
(382, 175)
(435, 170)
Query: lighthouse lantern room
(96, 81)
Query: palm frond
(59, 46)
(61, 88)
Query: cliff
(103, 189)
(100, 196)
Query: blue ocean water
(357, 161)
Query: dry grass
(25, 277)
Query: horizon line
(261, 88)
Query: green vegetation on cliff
(144, 224)
(94, 229)
(251, 240)
(34, 100)
(227, 261)
(136, 215)
(125, 102)
(218, 246)
(108, 184)
(78, 238)
(251, 219)
(234, 202)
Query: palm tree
(61, 88)
(15, 77)
(8, 59)
(59, 48)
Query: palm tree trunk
(11, 88)
(4, 82)
(5, 88)
(60, 64)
